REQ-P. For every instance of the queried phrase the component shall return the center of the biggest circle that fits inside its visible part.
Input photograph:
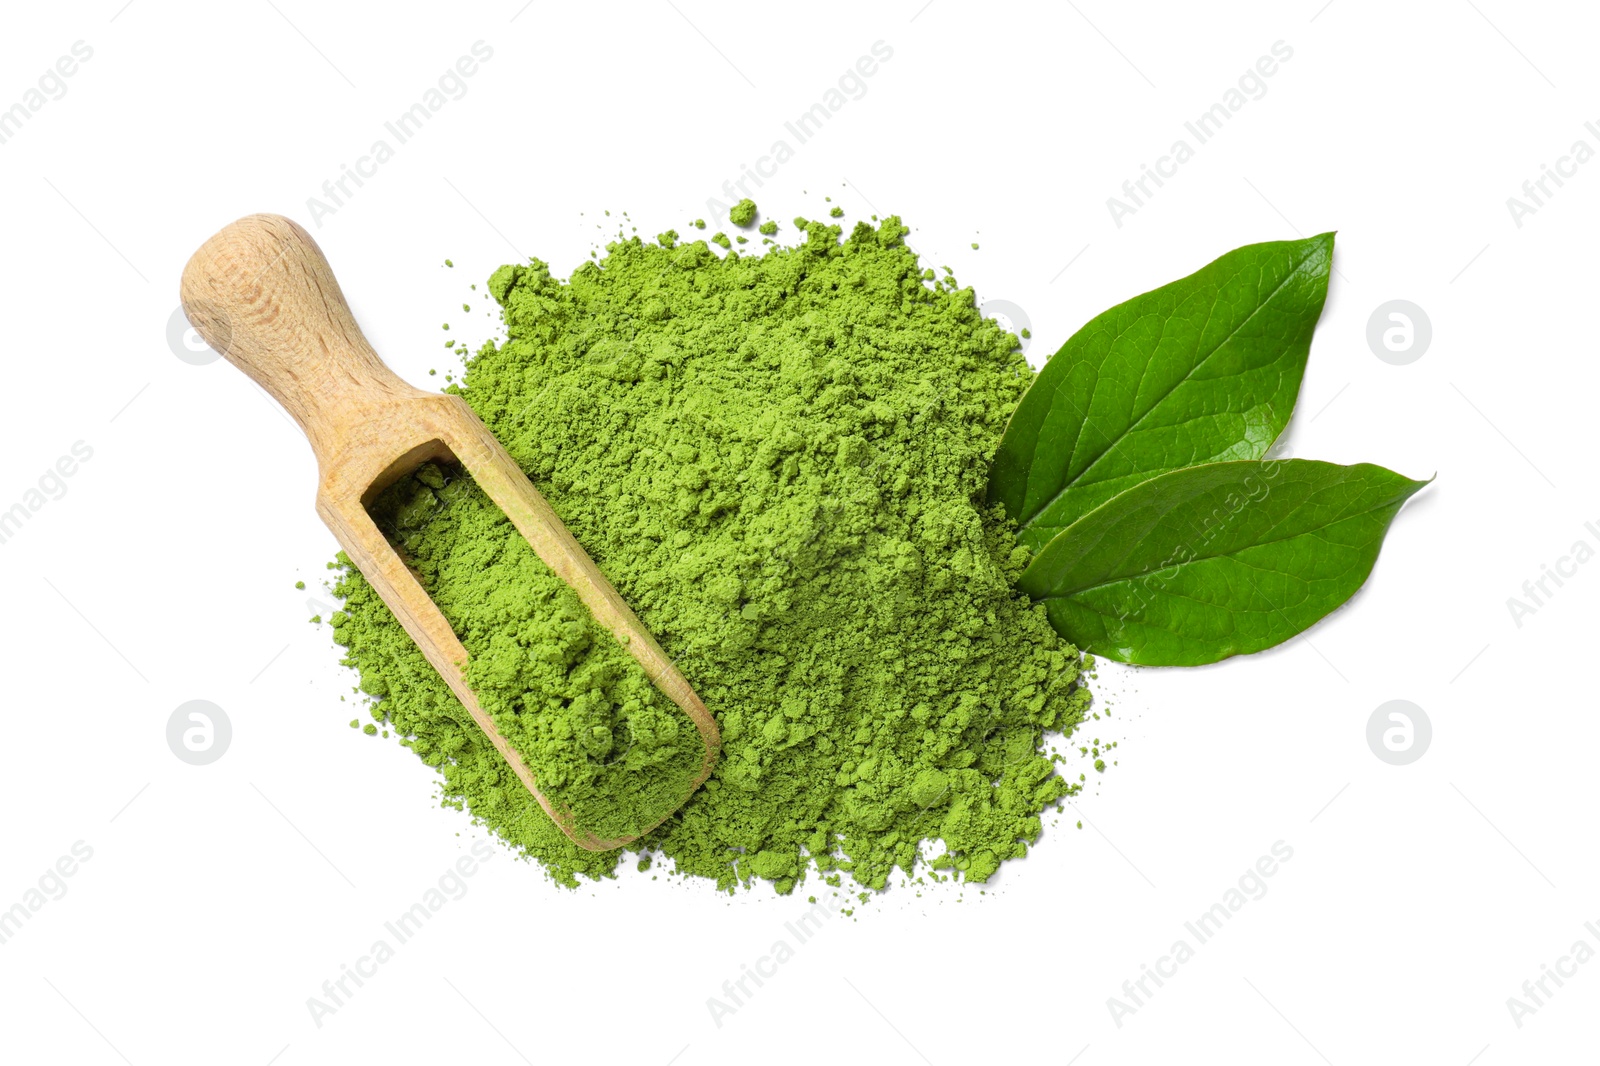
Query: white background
(219, 898)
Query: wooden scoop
(261, 293)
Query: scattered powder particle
(742, 213)
(299, 584)
(370, 730)
(779, 461)
(837, 212)
(721, 239)
(699, 223)
(974, 246)
(767, 228)
(448, 263)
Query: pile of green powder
(779, 461)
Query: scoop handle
(261, 293)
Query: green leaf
(1218, 560)
(1203, 370)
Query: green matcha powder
(779, 461)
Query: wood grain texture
(261, 292)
